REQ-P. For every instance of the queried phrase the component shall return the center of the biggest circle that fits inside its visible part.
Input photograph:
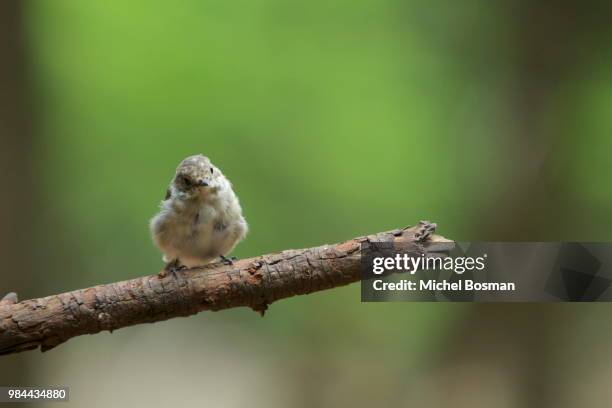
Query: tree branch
(255, 283)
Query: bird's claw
(172, 268)
(228, 261)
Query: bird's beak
(203, 183)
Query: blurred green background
(333, 120)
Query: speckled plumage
(200, 219)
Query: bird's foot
(171, 268)
(228, 261)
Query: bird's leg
(228, 261)
(172, 267)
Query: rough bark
(254, 282)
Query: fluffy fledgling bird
(200, 220)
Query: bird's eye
(186, 181)
(211, 170)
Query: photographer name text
(443, 285)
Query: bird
(200, 219)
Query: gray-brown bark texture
(255, 283)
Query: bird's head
(197, 175)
